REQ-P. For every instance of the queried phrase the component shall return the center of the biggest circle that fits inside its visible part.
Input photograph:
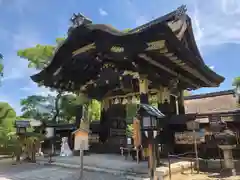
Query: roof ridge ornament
(180, 12)
(78, 20)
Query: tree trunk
(57, 109)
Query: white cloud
(216, 22)
(33, 88)
(211, 67)
(15, 67)
(230, 7)
(102, 12)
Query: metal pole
(81, 161)
(196, 150)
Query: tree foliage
(57, 108)
(126, 30)
(61, 108)
(1, 65)
(187, 93)
(40, 55)
(35, 107)
(7, 119)
(7, 116)
(236, 81)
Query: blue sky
(25, 23)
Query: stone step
(162, 173)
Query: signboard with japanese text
(22, 123)
(215, 122)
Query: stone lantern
(226, 141)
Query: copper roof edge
(211, 94)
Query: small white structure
(65, 150)
(81, 139)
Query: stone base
(228, 172)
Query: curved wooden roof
(158, 49)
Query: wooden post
(143, 89)
(196, 150)
(81, 160)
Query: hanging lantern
(150, 98)
(154, 98)
(137, 99)
(120, 100)
(129, 100)
(116, 101)
(111, 101)
(124, 101)
(134, 99)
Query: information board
(214, 120)
(21, 123)
(215, 123)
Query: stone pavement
(26, 171)
(116, 164)
(101, 161)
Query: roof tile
(219, 102)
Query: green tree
(236, 84)
(7, 116)
(94, 110)
(7, 120)
(59, 108)
(126, 30)
(1, 65)
(40, 55)
(187, 93)
(35, 107)
(236, 81)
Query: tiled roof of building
(216, 102)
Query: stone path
(201, 176)
(40, 172)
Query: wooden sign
(22, 124)
(214, 120)
(83, 145)
(215, 123)
(188, 137)
(192, 125)
(137, 139)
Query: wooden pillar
(103, 135)
(160, 95)
(165, 94)
(143, 88)
(105, 104)
(181, 102)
